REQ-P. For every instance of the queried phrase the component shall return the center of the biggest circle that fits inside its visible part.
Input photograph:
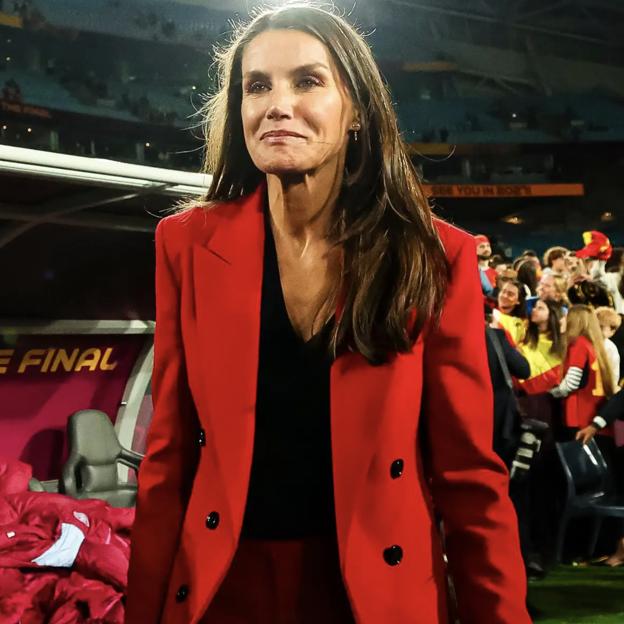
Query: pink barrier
(45, 378)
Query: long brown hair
(582, 321)
(527, 274)
(553, 330)
(394, 262)
(519, 310)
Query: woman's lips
(280, 136)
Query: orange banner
(498, 191)
(24, 109)
(14, 21)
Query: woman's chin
(284, 169)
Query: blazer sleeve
(469, 483)
(166, 472)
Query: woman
(587, 382)
(587, 386)
(315, 265)
(510, 314)
(544, 347)
(553, 287)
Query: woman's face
(296, 112)
(540, 313)
(546, 287)
(508, 298)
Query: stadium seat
(94, 452)
(590, 490)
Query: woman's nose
(276, 112)
(280, 105)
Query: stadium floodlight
(280, 3)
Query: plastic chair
(91, 468)
(34, 485)
(590, 490)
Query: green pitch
(580, 595)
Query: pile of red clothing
(62, 560)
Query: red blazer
(199, 448)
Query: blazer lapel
(228, 281)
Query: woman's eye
(256, 87)
(308, 82)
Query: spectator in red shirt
(587, 381)
(484, 253)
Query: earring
(355, 127)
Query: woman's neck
(301, 207)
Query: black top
(516, 363)
(291, 488)
(506, 415)
(613, 409)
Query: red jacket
(580, 406)
(62, 560)
(199, 449)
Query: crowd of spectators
(559, 321)
(92, 90)
(142, 108)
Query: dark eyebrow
(302, 69)
(255, 74)
(310, 67)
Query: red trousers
(282, 582)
